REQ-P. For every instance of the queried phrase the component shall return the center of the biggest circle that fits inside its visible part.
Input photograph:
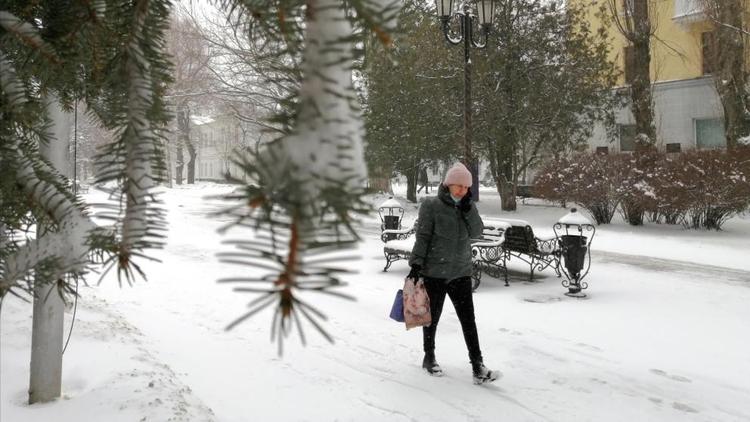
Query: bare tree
(727, 55)
(256, 75)
(633, 19)
(193, 82)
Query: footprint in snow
(542, 298)
(678, 378)
(589, 347)
(683, 407)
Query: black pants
(459, 291)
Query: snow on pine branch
(324, 151)
(311, 180)
(27, 34)
(134, 160)
(64, 248)
(326, 144)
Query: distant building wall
(687, 112)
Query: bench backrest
(392, 222)
(492, 233)
(520, 239)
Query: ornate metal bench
(398, 244)
(539, 252)
(486, 252)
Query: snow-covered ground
(663, 336)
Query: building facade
(216, 139)
(688, 111)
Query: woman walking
(442, 256)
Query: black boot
(431, 366)
(482, 374)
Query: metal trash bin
(391, 215)
(575, 250)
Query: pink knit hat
(458, 175)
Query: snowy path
(658, 340)
(706, 272)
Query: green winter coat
(443, 237)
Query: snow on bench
(539, 252)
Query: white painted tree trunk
(47, 328)
(46, 345)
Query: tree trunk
(412, 177)
(191, 162)
(183, 138)
(507, 195)
(640, 89)
(729, 67)
(507, 184)
(45, 381)
(170, 165)
(180, 160)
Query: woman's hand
(414, 273)
(465, 204)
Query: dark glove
(414, 273)
(465, 204)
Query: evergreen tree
(108, 54)
(543, 81)
(111, 55)
(412, 98)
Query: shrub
(670, 203)
(585, 179)
(715, 185)
(635, 188)
(699, 189)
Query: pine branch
(27, 35)
(65, 246)
(135, 160)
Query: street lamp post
(465, 36)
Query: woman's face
(458, 191)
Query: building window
(629, 63)
(708, 51)
(674, 147)
(709, 134)
(627, 137)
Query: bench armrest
(391, 234)
(487, 243)
(545, 237)
(395, 231)
(547, 245)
